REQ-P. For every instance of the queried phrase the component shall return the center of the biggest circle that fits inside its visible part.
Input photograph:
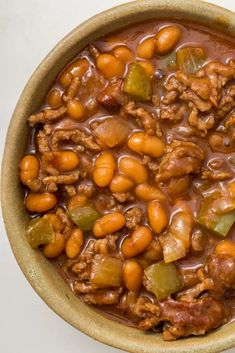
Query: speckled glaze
(40, 272)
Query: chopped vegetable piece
(163, 279)
(217, 212)
(112, 132)
(176, 242)
(231, 190)
(232, 161)
(190, 59)
(173, 248)
(84, 217)
(225, 223)
(137, 83)
(106, 271)
(39, 232)
(168, 62)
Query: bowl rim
(203, 12)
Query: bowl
(39, 271)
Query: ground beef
(172, 84)
(35, 185)
(201, 92)
(76, 136)
(47, 116)
(145, 309)
(217, 176)
(197, 317)
(190, 277)
(62, 179)
(170, 97)
(221, 269)
(181, 158)
(133, 217)
(173, 112)
(70, 190)
(84, 287)
(218, 74)
(156, 100)
(189, 294)
(104, 202)
(82, 266)
(230, 125)
(65, 221)
(181, 319)
(123, 196)
(47, 162)
(103, 297)
(106, 246)
(145, 119)
(42, 142)
(87, 188)
(204, 87)
(216, 276)
(199, 85)
(200, 104)
(72, 90)
(227, 101)
(150, 163)
(230, 121)
(203, 123)
(86, 165)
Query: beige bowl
(40, 272)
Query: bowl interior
(40, 272)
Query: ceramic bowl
(39, 271)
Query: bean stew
(129, 177)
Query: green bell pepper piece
(224, 223)
(220, 223)
(137, 83)
(84, 217)
(39, 232)
(106, 272)
(163, 279)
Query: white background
(29, 29)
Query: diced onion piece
(106, 272)
(176, 242)
(163, 279)
(190, 59)
(112, 132)
(173, 248)
(39, 232)
(223, 205)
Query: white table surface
(29, 29)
